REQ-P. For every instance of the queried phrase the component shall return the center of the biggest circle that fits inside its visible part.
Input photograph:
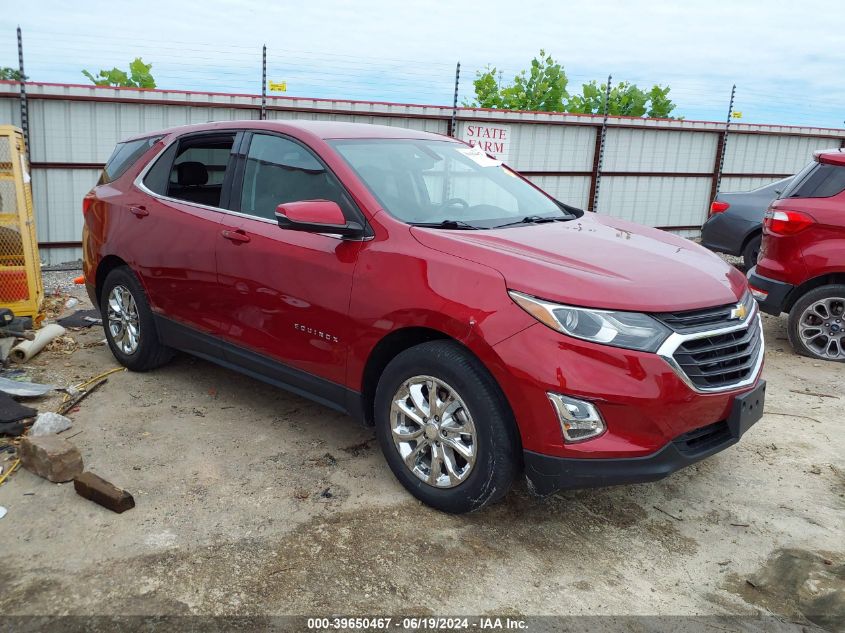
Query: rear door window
(124, 156)
(193, 169)
(817, 180)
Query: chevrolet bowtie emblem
(739, 312)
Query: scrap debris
(26, 349)
(51, 457)
(11, 410)
(24, 389)
(81, 318)
(40, 449)
(100, 491)
(49, 423)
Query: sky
(785, 58)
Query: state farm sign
(492, 139)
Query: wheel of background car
(128, 322)
(445, 427)
(455, 202)
(816, 325)
(751, 251)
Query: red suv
(801, 267)
(420, 285)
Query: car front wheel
(817, 323)
(445, 428)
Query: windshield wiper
(535, 219)
(448, 224)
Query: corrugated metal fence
(656, 172)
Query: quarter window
(124, 156)
(817, 180)
(279, 170)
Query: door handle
(237, 236)
(138, 211)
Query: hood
(598, 261)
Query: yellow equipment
(21, 288)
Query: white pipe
(25, 350)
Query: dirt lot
(254, 501)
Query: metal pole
(601, 144)
(453, 125)
(264, 83)
(725, 142)
(24, 103)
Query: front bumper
(777, 292)
(547, 474)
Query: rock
(51, 457)
(100, 491)
(48, 423)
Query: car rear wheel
(445, 428)
(817, 323)
(128, 322)
(751, 251)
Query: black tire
(149, 353)
(751, 251)
(495, 441)
(837, 320)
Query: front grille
(703, 439)
(721, 360)
(705, 318)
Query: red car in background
(414, 282)
(801, 266)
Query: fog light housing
(579, 420)
(758, 294)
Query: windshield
(432, 182)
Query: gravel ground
(253, 501)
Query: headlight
(631, 330)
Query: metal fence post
(24, 102)
(453, 124)
(263, 115)
(598, 158)
(717, 177)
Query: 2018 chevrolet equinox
(418, 284)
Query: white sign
(491, 139)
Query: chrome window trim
(675, 340)
(139, 183)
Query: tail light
(87, 201)
(717, 206)
(780, 222)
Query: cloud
(785, 66)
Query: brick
(51, 457)
(100, 491)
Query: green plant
(139, 76)
(544, 88)
(11, 74)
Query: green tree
(11, 74)
(661, 105)
(625, 99)
(487, 93)
(138, 76)
(543, 88)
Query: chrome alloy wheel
(433, 431)
(123, 321)
(822, 328)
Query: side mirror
(316, 216)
